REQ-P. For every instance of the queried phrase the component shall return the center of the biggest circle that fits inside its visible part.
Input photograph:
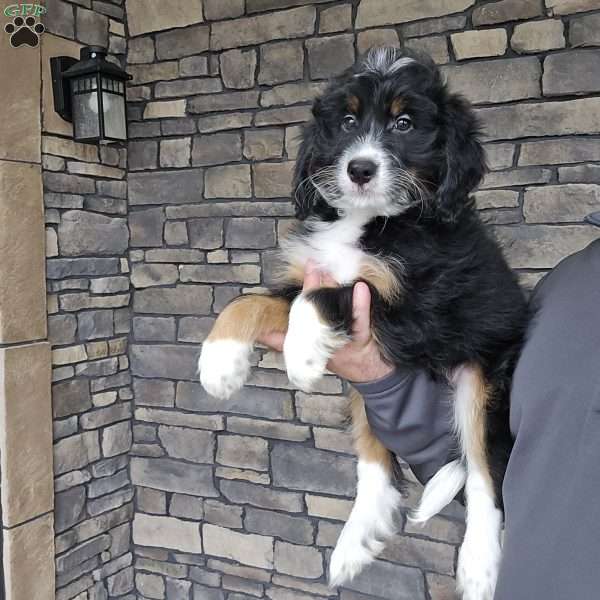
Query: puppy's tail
(440, 491)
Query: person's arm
(408, 411)
(411, 414)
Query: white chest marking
(333, 246)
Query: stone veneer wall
(87, 271)
(245, 498)
(242, 499)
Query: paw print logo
(24, 32)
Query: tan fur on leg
(224, 362)
(481, 399)
(367, 446)
(479, 556)
(470, 417)
(248, 317)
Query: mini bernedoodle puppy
(381, 189)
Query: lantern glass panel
(114, 116)
(86, 122)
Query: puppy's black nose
(361, 171)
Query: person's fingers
(312, 277)
(315, 278)
(361, 312)
(327, 280)
(273, 339)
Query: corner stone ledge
(25, 433)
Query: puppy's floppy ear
(465, 159)
(307, 198)
(303, 191)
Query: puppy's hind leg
(479, 556)
(224, 362)
(372, 520)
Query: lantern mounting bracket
(60, 85)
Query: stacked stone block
(87, 270)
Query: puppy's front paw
(304, 363)
(477, 571)
(308, 345)
(224, 366)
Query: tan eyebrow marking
(353, 104)
(397, 106)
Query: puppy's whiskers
(305, 200)
(407, 185)
(325, 182)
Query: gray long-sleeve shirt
(552, 484)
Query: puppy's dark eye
(403, 123)
(349, 122)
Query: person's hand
(360, 359)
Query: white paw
(304, 365)
(308, 344)
(477, 571)
(351, 555)
(370, 524)
(224, 366)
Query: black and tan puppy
(382, 192)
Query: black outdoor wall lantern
(90, 92)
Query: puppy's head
(388, 135)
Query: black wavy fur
(460, 302)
